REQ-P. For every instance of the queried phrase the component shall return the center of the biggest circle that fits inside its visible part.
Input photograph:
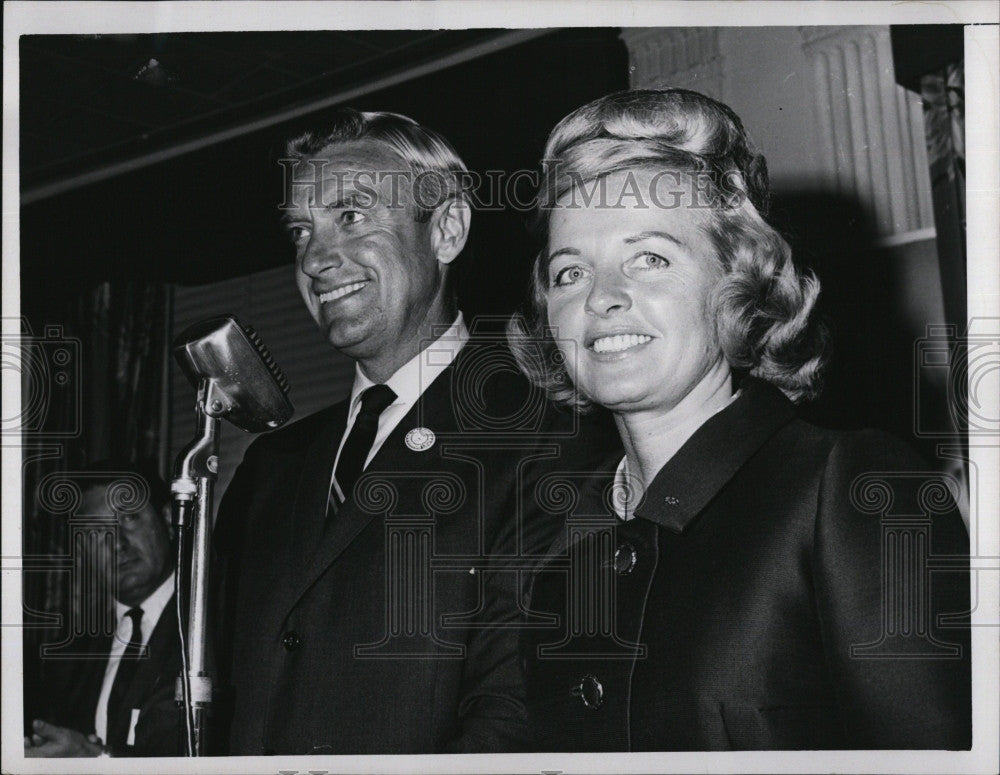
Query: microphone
(249, 385)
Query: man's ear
(450, 229)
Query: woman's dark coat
(781, 587)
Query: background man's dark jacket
(392, 629)
(72, 687)
(782, 587)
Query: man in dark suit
(112, 694)
(372, 554)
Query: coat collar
(713, 455)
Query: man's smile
(342, 291)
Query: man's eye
(569, 276)
(352, 216)
(298, 234)
(648, 262)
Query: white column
(871, 129)
(688, 58)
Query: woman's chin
(620, 398)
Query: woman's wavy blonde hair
(763, 305)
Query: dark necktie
(126, 672)
(359, 441)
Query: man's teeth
(619, 342)
(336, 293)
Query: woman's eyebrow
(563, 252)
(644, 235)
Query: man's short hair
(435, 170)
(120, 469)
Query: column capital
(685, 57)
(832, 36)
(871, 129)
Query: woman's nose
(608, 294)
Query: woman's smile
(629, 291)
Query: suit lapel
(309, 508)
(82, 679)
(432, 410)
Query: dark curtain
(123, 343)
(92, 372)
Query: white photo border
(982, 66)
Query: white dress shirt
(408, 383)
(624, 494)
(152, 607)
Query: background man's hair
(159, 490)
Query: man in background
(113, 694)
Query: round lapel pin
(420, 439)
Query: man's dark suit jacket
(781, 587)
(73, 687)
(390, 629)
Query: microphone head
(231, 354)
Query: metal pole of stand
(195, 473)
(200, 681)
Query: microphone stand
(195, 472)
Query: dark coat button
(625, 558)
(291, 640)
(590, 691)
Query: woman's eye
(648, 262)
(568, 276)
(352, 216)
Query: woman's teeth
(343, 290)
(618, 342)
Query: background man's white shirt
(152, 608)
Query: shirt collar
(151, 607)
(713, 455)
(414, 377)
(621, 500)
